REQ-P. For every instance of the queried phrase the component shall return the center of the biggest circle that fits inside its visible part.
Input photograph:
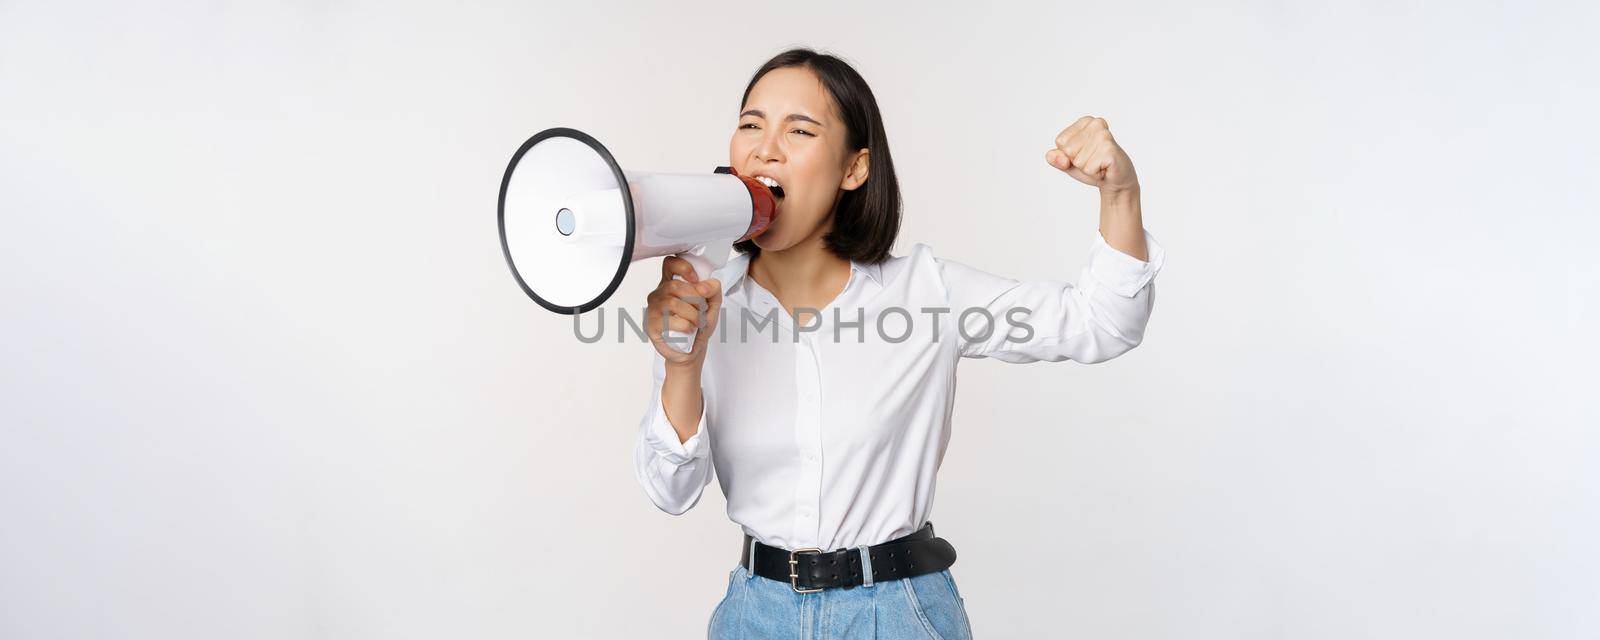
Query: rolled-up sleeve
(673, 474)
(1100, 317)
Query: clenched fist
(673, 305)
(1086, 151)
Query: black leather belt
(811, 570)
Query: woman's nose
(769, 148)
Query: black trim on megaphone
(627, 199)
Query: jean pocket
(961, 603)
(938, 606)
(951, 581)
(727, 595)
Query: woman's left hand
(1087, 152)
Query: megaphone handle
(684, 341)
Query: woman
(824, 405)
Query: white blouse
(832, 436)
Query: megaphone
(571, 220)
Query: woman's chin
(768, 241)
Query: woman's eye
(752, 125)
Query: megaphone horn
(571, 220)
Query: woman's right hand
(668, 306)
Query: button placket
(808, 442)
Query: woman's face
(788, 131)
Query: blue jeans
(925, 607)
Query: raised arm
(672, 454)
(1104, 313)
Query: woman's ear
(855, 174)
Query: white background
(266, 374)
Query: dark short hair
(867, 219)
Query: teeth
(767, 181)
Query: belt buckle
(794, 577)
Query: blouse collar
(739, 266)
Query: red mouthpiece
(763, 200)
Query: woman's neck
(805, 275)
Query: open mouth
(777, 189)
